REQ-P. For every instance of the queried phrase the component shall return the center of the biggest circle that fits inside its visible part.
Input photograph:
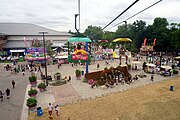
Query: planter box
(33, 84)
(33, 95)
(32, 107)
(42, 89)
(78, 78)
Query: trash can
(82, 72)
(171, 88)
(39, 111)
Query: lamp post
(43, 33)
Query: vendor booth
(135, 65)
(150, 68)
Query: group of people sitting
(114, 78)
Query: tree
(160, 31)
(138, 29)
(108, 36)
(175, 39)
(94, 32)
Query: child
(50, 108)
(152, 77)
(57, 110)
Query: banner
(79, 56)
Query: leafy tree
(108, 36)
(138, 32)
(94, 32)
(160, 31)
(175, 39)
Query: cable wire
(135, 14)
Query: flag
(24, 38)
(154, 42)
(145, 39)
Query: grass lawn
(151, 102)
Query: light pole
(43, 33)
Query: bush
(42, 85)
(175, 72)
(84, 80)
(78, 73)
(32, 92)
(32, 79)
(30, 102)
(58, 73)
(105, 68)
(111, 68)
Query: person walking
(57, 110)
(152, 78)
(1, 96)
(7, 93)
(98, 66)
(13, 83)
(50, 108)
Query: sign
(79, 56)
(35, 54)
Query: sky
(60, 14)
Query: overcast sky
(59, 14)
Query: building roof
(27, 29)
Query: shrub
(30, 102)
(84, 80)
(111, 67)
(175, 72)
(105, 68)
(42, 85)
(32, 92)
(78, 73)
(58, 73)
(32, 79)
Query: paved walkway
(77, 90)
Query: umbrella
(103, 41)
(122, 40)
(79, 38)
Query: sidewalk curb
(24, 114)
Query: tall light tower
(43, 33)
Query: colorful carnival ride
(122, 50)
(147, 49)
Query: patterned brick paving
(65, 94)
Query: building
(19, 36)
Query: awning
(61, 57)
(135, 62)
(151, 65)
(166, 67)
(177, 58)
(17, 50)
